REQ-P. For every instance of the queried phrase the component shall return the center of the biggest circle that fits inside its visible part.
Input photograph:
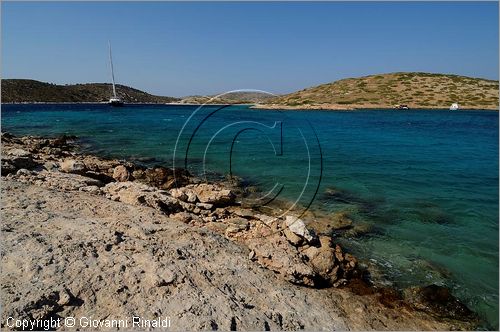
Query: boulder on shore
(140, 194)
(162, 177)
(213, 194)
(72, 166)
(15, 159)
(298, 227)
(276, 254)
(121, 174)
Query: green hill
(29, 91)
(417, 90)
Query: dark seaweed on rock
(339, 195)
(438, 300)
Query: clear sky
(179, 49)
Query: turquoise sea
(426, 182)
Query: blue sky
(172, 48)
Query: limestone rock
(275, 253)
(185, 194)
(191, 196)
(18, 153)
(268, 220)
(140, 194)
(162, 278)
(72, 166)
(138, 174)
(14, 159)
(23, 172)
(50, 166)
(102, 177)
(241, 212)
(238, 223)
(329, 263)
(163, 178)
(325, 241)
(205, 206)
(310, 252)
(183, 217)
(58, 180)
(298, 227)
(121, 174)
(324, 262)
(292, 237)
(179, 193)
(64, 297)
(91, 189)
(100, 165)
(213, 194)
(217, 227)
(231, 230)
(158, 176)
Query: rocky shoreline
(84, 234)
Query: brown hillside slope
(417, 90)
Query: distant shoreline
(105, 103)
(417, 90)
(270, 107)
(360, 108)
(73, 103)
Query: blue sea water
(425, 181)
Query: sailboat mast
(112, 70)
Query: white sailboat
(454, 107)
(114, 100)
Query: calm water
(426, 181)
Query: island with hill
(31, 91)
(387, 91)
(384, 91)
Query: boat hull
(115, 103)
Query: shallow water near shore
(425, 182)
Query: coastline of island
(413, 90)
(337, 107)
(333, 107)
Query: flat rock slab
(74, 253)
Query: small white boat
(115, 100)
(454, 107)
(402, 107)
